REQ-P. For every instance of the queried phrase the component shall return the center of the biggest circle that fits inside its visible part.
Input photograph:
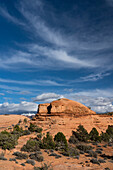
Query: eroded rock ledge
(62, 107)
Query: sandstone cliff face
(42, 108)
(64, 107)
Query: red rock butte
(63, 107)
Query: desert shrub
(107, 168)
(81, 134)
(94, 135)
(5, 132)
(105, 137)
(102, 161)
(61, 141)
(98, 151)
(84, 148)
(25, 120)
(73, 151)
(1, 154)
(47, 142)
(92, 154)
(8, 140)
(108, 136)
(32, 145)
(39, 136)
(94, 161)
(34, 128)
(20, 121)
(43, 167)
(17, 128)
(12, 159)
(17, 131)
(73, 140)
(53, 154)
(36, 156)
(3, 158)
(109, 130)
(23, 164)
(29, 161)
(20, 155)
(26, 132)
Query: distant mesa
(62, 107)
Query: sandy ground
(7, 121)
(66, 125)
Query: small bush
(73, 140)
(95, 161)
(20, 121)
(31, 146)
(81, 134)
(98, 151)
(8, 140)
(61, 141)
(73, 151)
(3, 158)
(17, 131)
(23, 164)
(43, 167)
(108, 136)
(1, 154)
(25, 120)
(94, 135)
(47, 142)
(20, 155)
(53, 154)
(34, 128)
(36, 157)
(17, 128)
(29, 161)
(26, 132)
(84, 148)
(12, 159)
(92, 154)
(39, 136)
(105, 137)
(102, 161)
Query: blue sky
(52, 49)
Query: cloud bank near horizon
(97, 104)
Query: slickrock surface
(54, 125)
(57, 124)
(62, 107)
(8, 121)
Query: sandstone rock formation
(62, 107)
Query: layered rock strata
(62, 107)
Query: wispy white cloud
(4, 12)
(97, 93)
(39, 26)
(80, 49)
(98, 104)
(47, 97)
(93, 77)
(109, 2)
(32, 82)
(2, 94)
(100, 100)
(18, 90)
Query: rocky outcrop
(62, 107)
(42, 108)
